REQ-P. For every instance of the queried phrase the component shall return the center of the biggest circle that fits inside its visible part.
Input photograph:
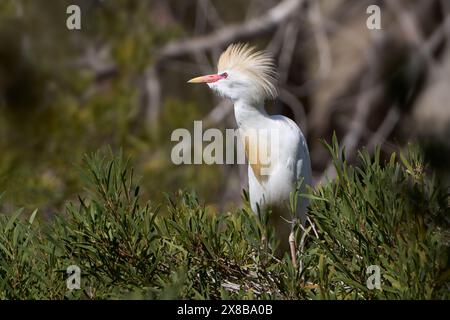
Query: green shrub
(387, 215)
(392, 215)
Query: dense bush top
(392, 215)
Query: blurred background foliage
(120, 82)
(56, 106)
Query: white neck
(250, 115)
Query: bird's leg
(264, 237)
(293, 248)
(264, 248)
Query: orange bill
(206, 79)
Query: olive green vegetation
(391, 214)
(54, 108)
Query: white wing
(298, 158)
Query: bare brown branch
(233, 33)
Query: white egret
(248, 78)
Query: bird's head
(243, 74)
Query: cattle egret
(248, 77)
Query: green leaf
(33, 216)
